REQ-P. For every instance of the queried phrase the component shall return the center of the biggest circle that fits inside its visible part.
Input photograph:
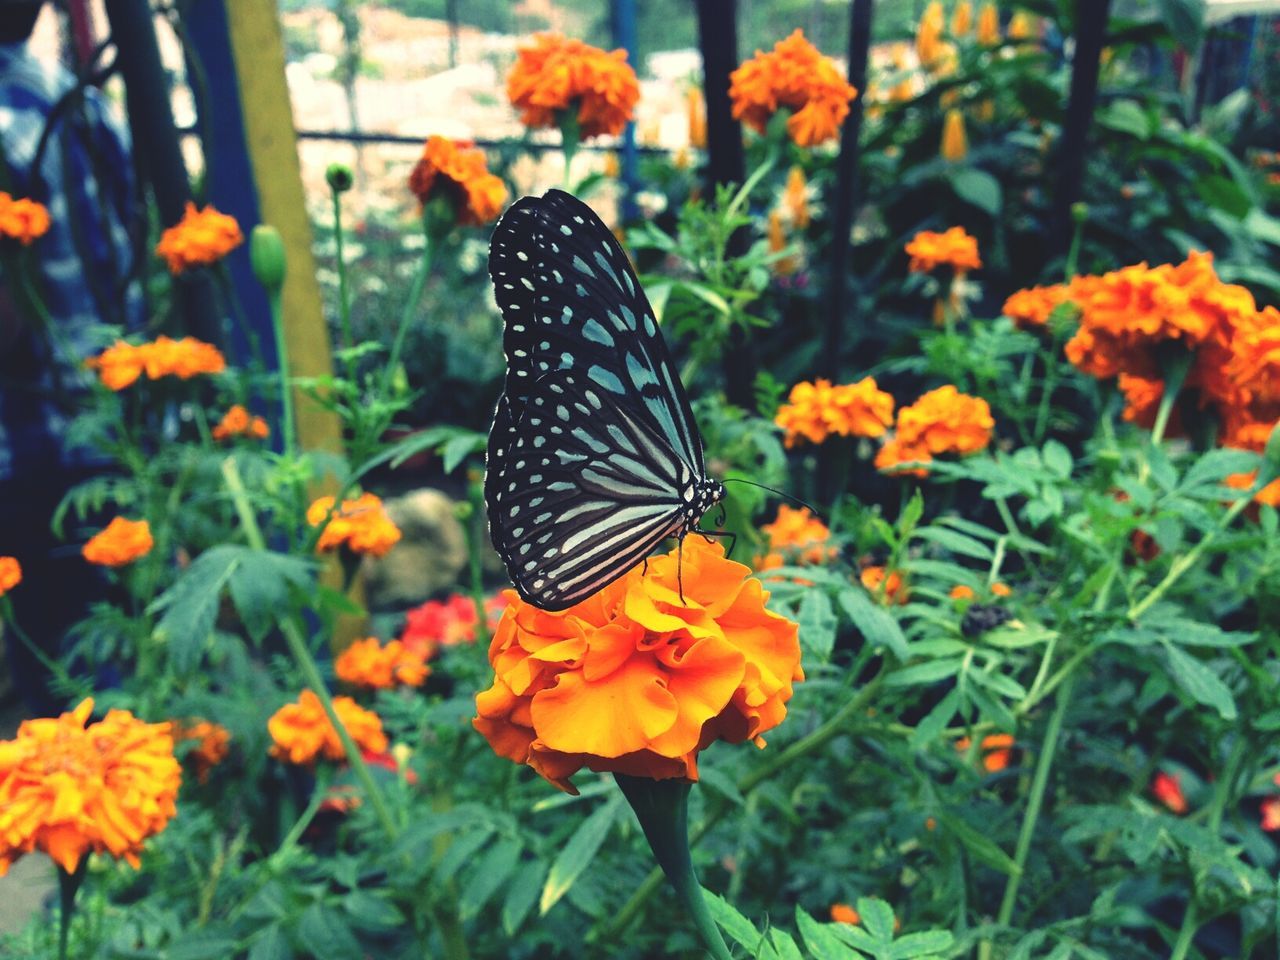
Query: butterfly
(594, 457)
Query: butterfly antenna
(781, 493)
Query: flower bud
(339, 177)
(1079, 212)
(955, 145)
(267, 256)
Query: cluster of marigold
(1131, 319)
(1167, 789)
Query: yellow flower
(367, 663)
(361, 525)
(553, 74)
(301, 731)
(68, 789)
(816, 410)
(121, 543)
(23, 219)
(200, 238)
(10, 574)
(988, 25)
(457, 170)
(955, 145)
(636, 680)
(794, 75)
(1021, 26)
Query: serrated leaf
(578, 853)
(877, 624)
(821, 941)
(325, 935)
(490, 873)
(191, 605)
(198, 945)
(1200, 682)
(737, 927)
(956, 542)
(817, 621)
(522, 894)
(259, 587)
(926, 943)
(371, 912)
(461, 850)
(1125, 116)
(980, 846)
(1057, 458)
(271, 944)
(876, 917)
(784, 945)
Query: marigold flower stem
(306, 662)
(410, 308)
(287, 426)
(344, 296)
(662, 807)
(68, 885)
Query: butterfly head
(704, 494)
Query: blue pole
(624, 35)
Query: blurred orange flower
(997, 750)
(447, 623)
(1270, 814)
(961, 592)
(1001, 589)
(1031, 307)
(696, 108)
(553, 74)
(843, 913)
(122, 542)
(23, 219)
(1141, 398)
(794, 75)
(988, 25)
(795, 535)
(795, 198)
(943, 421)
(121, 364)
(302, 732)
(458, 171)
(954, 247)
(929, 34)
(368, 663)
(238, 422)
(776, 237)
(962, 19)
(955, 143)
(361, 525)
(10, 574)
(816, 410)
(1168, 790)
(68, 789)
(633, 679)
(200, 238)
(894, 585)
(211, 748)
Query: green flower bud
(266, 255)
(1079, 212)
(339, 177)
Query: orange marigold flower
(23, 219)
(302, 732)
(794, 75)
(961, 592)
(635, 680)
(362, 525)
(212, 744)
(988, 25)
(1255, 355)
(955, 143)
(1270, 814)
(954, 247)
(119, 365)
(696, 108)
(68, 789)
(200, 238)
(800, 531)
(776, 237)
(1168, 790)
(843, 913)
(894, 585)
(1031, 307)
(122, 542)
(1141, 399)
(929, 34)
(795, 199)
(962, 18)
(368, 663)
(238, 422)
(997, 750)
(1000, 589)
(458, 171)
(896, 451)
(816, 410)
(553, 74)
(10, 574)
(946, 421)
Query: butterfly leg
(680, 568)
(712, 535)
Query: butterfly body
(594, 457)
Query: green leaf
(926, 943)
(197, 945)
(461, 850)
(817, 623)
(371, 912)
(956, 542)
(271, 944)
(325, 935)
(784, 945)
(936, 720)
(821, 941)
(876, 917)
(1125, 116)
(978, 188)
(1224, 194)
(920, 674)
(1200, 682)
(490, 873)
(877, 624)
(578, 853)
(983, 848)
(721, 783)
(1057, 458)
(1184, 19)
(456, 450)
(191, 605)
(259, 587)
(521, 895)
(737, 927)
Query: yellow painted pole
(258, 48)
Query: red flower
(1167, 788)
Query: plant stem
(287, 425)
(410, 308)
(68, 884)
(344, 298)
(475, 544)
(306, 662)
(1186, 933)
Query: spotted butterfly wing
(594, 456)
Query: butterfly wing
(594, 452)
